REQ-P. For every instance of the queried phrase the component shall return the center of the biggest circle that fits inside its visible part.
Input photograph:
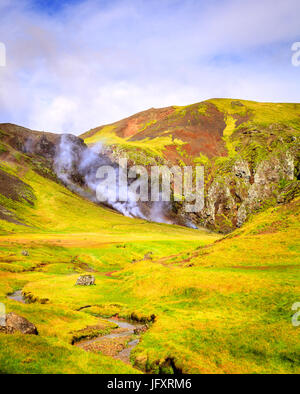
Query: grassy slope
(67, 235)
(251, 114)
(219, 309)
(57, 210)
(218, 134)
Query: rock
(218, 201)
(148, 256)
(140, 330)
(246, 187)
(25, 253)
(85, 280)
(16, 323)
(241, 170)
(45, 147)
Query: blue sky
(74, 65)
(52, 7)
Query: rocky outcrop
(29, 141)
(268, 178)
(241, 170)
(15, 323)
(85, 280)
(232, 197)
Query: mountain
(43, 185)
(205, 302)
(250, 152)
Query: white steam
(76, 166)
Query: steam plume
(76, 166)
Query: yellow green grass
(256, 115)
(148, 151)
(57, 210)
(219, 308)
(220, 305)
(261, 113)
(65, 236)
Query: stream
(17, 296)
(108, 342)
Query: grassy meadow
(216, 305)
(65, 236)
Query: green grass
(254, 132)
(217, 308)
(37, 355)
(219, 305)
(65, 236)
(262, 114)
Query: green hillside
(202, 131)
(249, 150)
(212, 303)
(65, 235)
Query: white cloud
(97, 62)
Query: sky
(75, 65)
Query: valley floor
(212, 305)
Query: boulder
(25, 253)
(85, 280)
(241, 170)
(16, 323)
(140, 330)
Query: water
(17, 296)
(124, 354)
(124, 324)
